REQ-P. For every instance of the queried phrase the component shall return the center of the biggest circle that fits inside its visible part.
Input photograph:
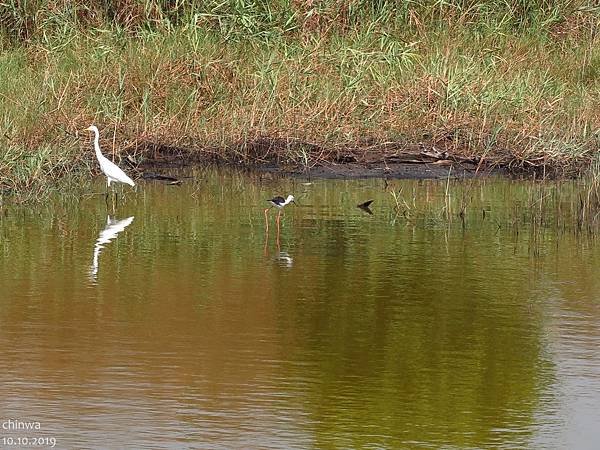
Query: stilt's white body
(290, 198)
(113, 173)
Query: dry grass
(517, 83)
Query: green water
(178, 322)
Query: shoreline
(397, 161)
(273, 157)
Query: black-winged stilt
(278, 202)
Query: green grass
(514, 80)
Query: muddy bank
(381, 169)
(389, 160)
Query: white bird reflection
(112, 229)
(284, 259)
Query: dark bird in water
(365, 206)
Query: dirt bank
(390, 160)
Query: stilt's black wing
(277, 200)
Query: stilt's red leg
(266, 218)
(278, 220)
(266, 241)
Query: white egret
(113, 173)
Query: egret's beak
(88, 129)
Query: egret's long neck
(97, 145)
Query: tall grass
(516, 81)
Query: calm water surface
(177, 322)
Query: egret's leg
(107, 188)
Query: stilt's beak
(294, 202)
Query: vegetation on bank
(300, 80)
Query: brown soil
(389, 160)
(411, 168)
